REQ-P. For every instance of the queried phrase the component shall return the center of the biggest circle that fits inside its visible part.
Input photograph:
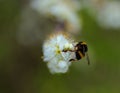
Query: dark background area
(23, 71)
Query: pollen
(58, 51)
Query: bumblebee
(80, 50)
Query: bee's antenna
(88, 58)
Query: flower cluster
(57, 60)
(107, 12)
(62, 10)
(109, 15)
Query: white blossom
(106, 12)
(57, 60)
(109, 15)
(62, 10)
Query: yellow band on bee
(84, 43)
(81, 55)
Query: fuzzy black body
(78, 57)
(81, 49)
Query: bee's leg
(71, 60)
(64, 50)
(68, 50)
(72, 50)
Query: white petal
(58, 66)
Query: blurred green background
(23, 71)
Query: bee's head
(83, 45)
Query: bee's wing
(87, 57)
